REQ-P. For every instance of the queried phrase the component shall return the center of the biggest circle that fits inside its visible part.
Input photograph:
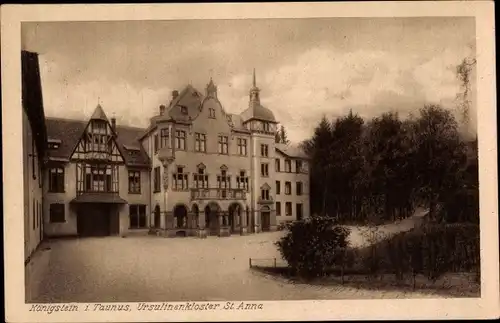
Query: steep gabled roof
(99, 114)
(190, 99)
(291, 151)
(70, 131)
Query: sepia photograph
(218, 164)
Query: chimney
(175, 94)
(113, 124)
(162, 109)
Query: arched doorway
(157, 216)
(180, 216)
(212, 211)
(265, 218)
(196, 217)
(235, 211)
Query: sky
(305, 68)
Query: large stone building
(196, 170)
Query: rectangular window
(200, 142)
(242, 181)
(288, 209)
(180, 179)
(180, 139)
(264, 170)
(56, 213)
(299, 188)
(288, 188)
(56, 180)
(298, 166)
(278, 208)
(264, 150)
(264, 194)
(156, 179)
(278, 187)
(288, 165)
(277, 164)
(242, 146)
(223, 145)
(134, 182)
(299, 211)
(165, 139)
(34, 214)
(211, 112)
(200, 179)
(137, 216)
(156, 146)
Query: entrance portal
(234, 217)
(265, 221)
(95, 220)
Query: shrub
(311, 246)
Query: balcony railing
(218, 194)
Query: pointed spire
(254, 79)
(254, 91)
(211, 88)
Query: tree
(440, 154)
(463, 71)
(281, 136)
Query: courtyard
(148, 268)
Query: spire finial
(254, 81)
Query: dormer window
(211, 112)
(184, 110)
(53, 143)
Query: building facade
(195, 171)
(34, 137)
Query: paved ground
(180, 269)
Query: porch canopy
(109, 198)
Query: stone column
(223, 225)
(202, 232)
(243, 222)
(256, 216)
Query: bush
(311, 247)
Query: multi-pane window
(200, 142)
(277, 164)
(134, 182)
(180, 139)
(96, 178)
(223, 145)
(264, 170)
(137, 216)
(156, 179)
(242, 180)
(242, 146)
(278, 187)
(211, 113)
(288, 188)
(288, 208)
(299, 188)
(200, 178)
(223, 180)
(155, 143)
(264, 194)
(288, 165)
(180, 179)
(278, 208)
(56, 213)
(266, 126)
(56, 180)
(264, 150)
(164, 138)
(299, 211)
(298, 166)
